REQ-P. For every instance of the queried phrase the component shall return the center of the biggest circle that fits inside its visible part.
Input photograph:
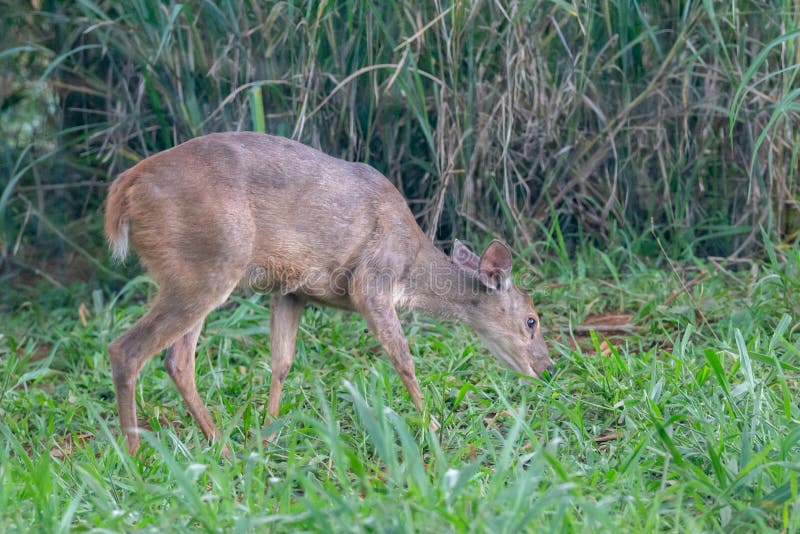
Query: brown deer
(240, 206)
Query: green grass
(679, 118)
(696, 413)
(648, 127)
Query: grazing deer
(242, 206)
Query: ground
(673, 407)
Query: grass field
(686, 422)
(664, 133)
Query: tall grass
(679, 118)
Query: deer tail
(116, 220)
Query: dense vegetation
(639, 155)
(687, 422)
(665, 117)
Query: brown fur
(225, 208)
(116, 219)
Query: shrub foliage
(669, 118)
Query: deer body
(282, 217)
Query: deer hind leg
(172, 315)
(179, 362)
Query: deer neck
(439, 288)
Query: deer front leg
(285, 314)
(383, 321)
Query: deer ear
(464, 257)
(495, 266)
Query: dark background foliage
(619, 122)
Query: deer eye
(531, 322)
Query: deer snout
(544, 373)
(540, 361)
